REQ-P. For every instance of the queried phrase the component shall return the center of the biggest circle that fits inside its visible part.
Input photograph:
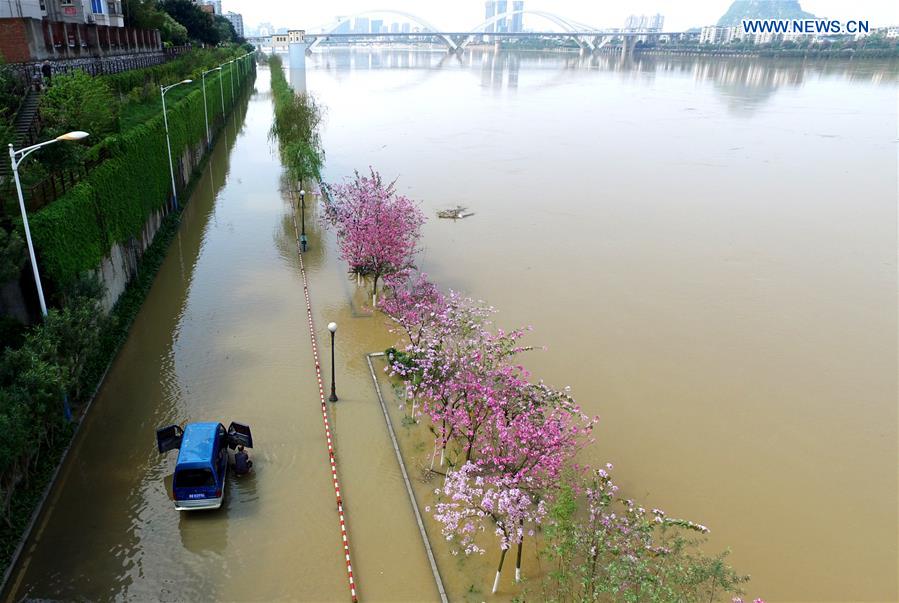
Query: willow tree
(295, 127)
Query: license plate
(196, 496)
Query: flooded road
(223, 336)
(707, 248)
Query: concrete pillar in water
(297, 54)
(297, 74)
(296, 39)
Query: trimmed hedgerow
(112, 204)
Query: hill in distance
(762, 9)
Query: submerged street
(722, 295)
(222, 337)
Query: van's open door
(239, 435)
(169, 438)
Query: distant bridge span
(431, 29)
(585, 36)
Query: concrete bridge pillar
(296, 48)
(297, 54)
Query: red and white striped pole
(324, 407)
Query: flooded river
(707, 248)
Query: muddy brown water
(707, 248)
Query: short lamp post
(205, 109)
(168, 141)
(16, 157)
(332, 326)
(303, 219)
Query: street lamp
(332, 326)
(231, 73)
(16, 158)
(205, 110)
(222, 91)
(168, 142)
(303, 219)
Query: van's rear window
(193, 478)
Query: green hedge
(70, 230)
(113, 202)
(167, 73)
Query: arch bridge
(586, 37)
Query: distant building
(502, 25)
(237, 21)
(489, 13)
(213, 6)
(280, 42)
(512, 21)
(394, 28)
(712, 34)
(644, 23)
(361, 25)
(376, 25)
(93, 12)
(405, 28)
(517, 17)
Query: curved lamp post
(205, 109)
(16, 157)
(332, 326)
(168, 142)
(303, 219)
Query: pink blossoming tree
(377, 229)
(510, 444)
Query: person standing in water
(242, 462)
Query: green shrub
(78, 101)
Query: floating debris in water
(455, 213)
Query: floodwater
(707, 248)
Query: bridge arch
(566, 24)
(399, 13)
(562, 22)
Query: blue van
(199, 480)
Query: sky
(463, 15)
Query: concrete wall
(121, 263)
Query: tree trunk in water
(518, 560)
(433, 455)
(502, 557)
(374, 293)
